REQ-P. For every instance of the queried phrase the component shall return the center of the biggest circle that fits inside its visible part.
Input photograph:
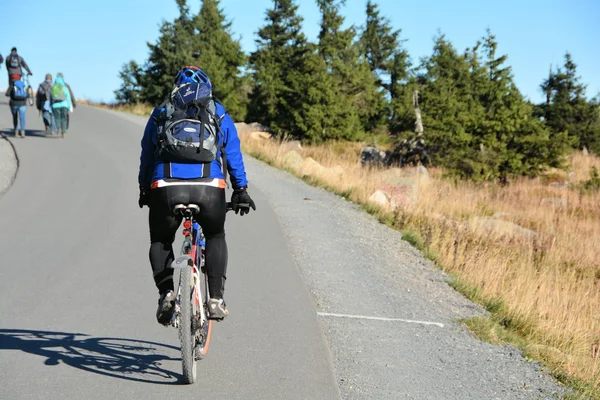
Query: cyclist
(14, 66)
(162, 185)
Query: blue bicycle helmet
(192, 74)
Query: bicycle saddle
(183, 208)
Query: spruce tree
(277, 69)
(381, 45)
(477, 123)
(357, 91)
(514, 141)
(567, 109)
(220, 56)
(129, 92)
(448, 111)
(325, 114)
(173, 49)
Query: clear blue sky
(96, 37)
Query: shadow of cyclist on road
(135, 360)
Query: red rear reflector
(187, 224)
(186, 232)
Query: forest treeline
(360, 84)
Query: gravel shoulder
(357, 269)
(8, 164)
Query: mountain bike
(191, 301)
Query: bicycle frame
(192, 250)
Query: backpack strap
(219, 120)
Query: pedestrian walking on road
(73, 102)
(18, 106)
(42, 102)
(61, 104)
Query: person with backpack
(60, 100)
(42, 102)
(73, 103)
(18, 106)
(189, 144)
(15, 65)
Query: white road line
(323, 314)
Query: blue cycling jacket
(152, 169)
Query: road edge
(13, 171)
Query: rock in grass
(292, 159)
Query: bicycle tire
(30, 98)
(186, 335)
(207, 327)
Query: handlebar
(230, 206)
(192, 209)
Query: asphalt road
(308, 272)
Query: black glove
(144, 199)
(241, 201)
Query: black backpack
(14, 61)
(189, 129)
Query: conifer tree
(477, 123)
(277, 65)
(130, 75)
(567, 109)
(515, 142)
(357, 92)
(220, 56)
(447, 109)
(172, 50)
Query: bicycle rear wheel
(186, 327)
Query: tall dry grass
(137, 109)
(547, 289)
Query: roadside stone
(337, 170)
(401, 196)
(245, 129)
(380, 199)
(292, 159)
(501, 215)
(291, 145)
(556, 202)
(500, 229)
(371, 156)
(561, 185)
(259, 135)
(311, 167)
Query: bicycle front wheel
(186, 326)
(30, 94)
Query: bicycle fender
(182, 262)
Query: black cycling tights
(164, 225)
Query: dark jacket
(72, 96)
(21, 63)
(43, 94)
(152, 169)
